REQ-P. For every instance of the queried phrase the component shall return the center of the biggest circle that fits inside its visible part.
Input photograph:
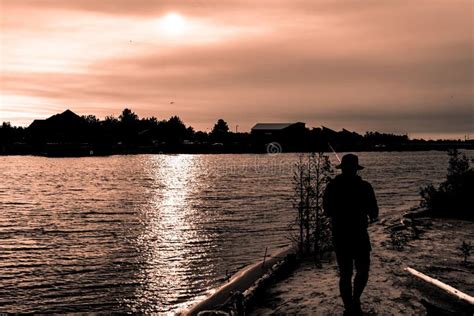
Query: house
(66, 126)
(290, 136)
(67, 119)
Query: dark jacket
(350, 201)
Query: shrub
(453, 197)
(312, 233)
(465, 251)
(398, 240)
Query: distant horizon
(232, 128)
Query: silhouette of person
(350, 202)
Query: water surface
(149, 233)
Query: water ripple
(146, 233)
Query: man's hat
(350, 161)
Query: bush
(313, 233)
(453, 197)
(465, 251)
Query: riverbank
(59, 150)
(390, 291)
(243, 281)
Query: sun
(172, 24)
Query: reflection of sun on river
(169, 228)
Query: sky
(387, 65)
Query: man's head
(349, 164)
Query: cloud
(385, 65)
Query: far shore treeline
(68, 134)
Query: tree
(220, 127)
(148, 123)
(128, 116)
(458, 166)
(176, 124)
(6, 132)
(111, 120)
(201, 137)
(90, 119)
(109, 129)
(220, 131)
(6, 125)
(190, 132)
(172, 130)
(129, 126)
(150, 120)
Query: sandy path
(390, 291)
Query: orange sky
(393, 66)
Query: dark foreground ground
(391, 290)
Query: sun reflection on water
(169, 228)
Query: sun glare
(173, 24)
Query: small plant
(465, 250)
(321, 225)
(414, 230)
(313, 232)
(397, 240)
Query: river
(149, 233)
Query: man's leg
(344, 262)
(362, 264)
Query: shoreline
(87, 153)
(390, 290)
(239, 282)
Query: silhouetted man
(350, 202)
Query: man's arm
(372, 207)
(327, 203)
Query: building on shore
(289, 136)
(64, 127)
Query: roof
(67, 115)
(270, 126)
(37, 124)
(328, 130)
(64, 119)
